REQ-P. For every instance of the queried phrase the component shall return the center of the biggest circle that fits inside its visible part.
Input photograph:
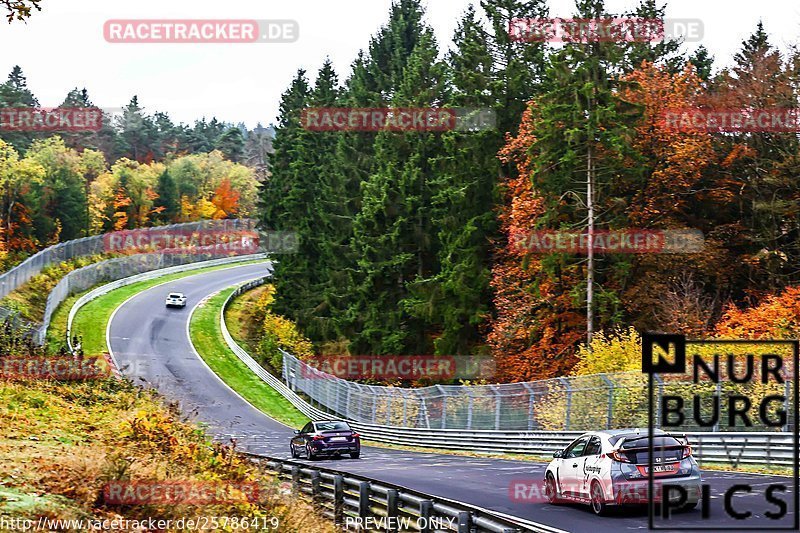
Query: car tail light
(318, 437)
(687, 452)
(355, 435)
(618, 457)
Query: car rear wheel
(355, 455)
(689, 507)
(598, 499)
(550, 488)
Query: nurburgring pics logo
(398, 119)
(610, 29)
(200, 31)
(731, 388)
(732, 120)
(630, 241)
(51, 119)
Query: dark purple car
(329, 437)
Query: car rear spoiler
(622, 440)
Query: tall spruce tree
(393, 233)
(582, 147)
(453, 301)
(287, 198)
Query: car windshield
(332, 426)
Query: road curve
(152, 347)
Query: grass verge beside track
(206, 335)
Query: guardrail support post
(392, 505)
(464, 522)
(338, 499)
(296, 479)
(316, 493)
(425, 514)
(363, 499)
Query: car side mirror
(558, 455)
(296, 431)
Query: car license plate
(662, 468)
(338, 439)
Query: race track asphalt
(151, 345)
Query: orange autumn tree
(776, 316)
(226, 200)
(678, 187)
(536, 327)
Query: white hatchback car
(176, 299)
(606, 468)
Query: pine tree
(168, 201)
(393, 233)
(231, 143)
(454, 301)
(14, 93)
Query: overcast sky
(63, 47)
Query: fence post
(568, 409)
(444, 406)
(338, 499)
(531, 401)
(610, 407)
(787, 393)
(659, 399)
(469, 411)
(497, 406)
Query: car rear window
(175, 295)
(666, 449)
(640, 441)
(332, 426)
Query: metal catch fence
(591, 402)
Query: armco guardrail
(77, 280)
(728, 448)
(20, 274)
(340, 496)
